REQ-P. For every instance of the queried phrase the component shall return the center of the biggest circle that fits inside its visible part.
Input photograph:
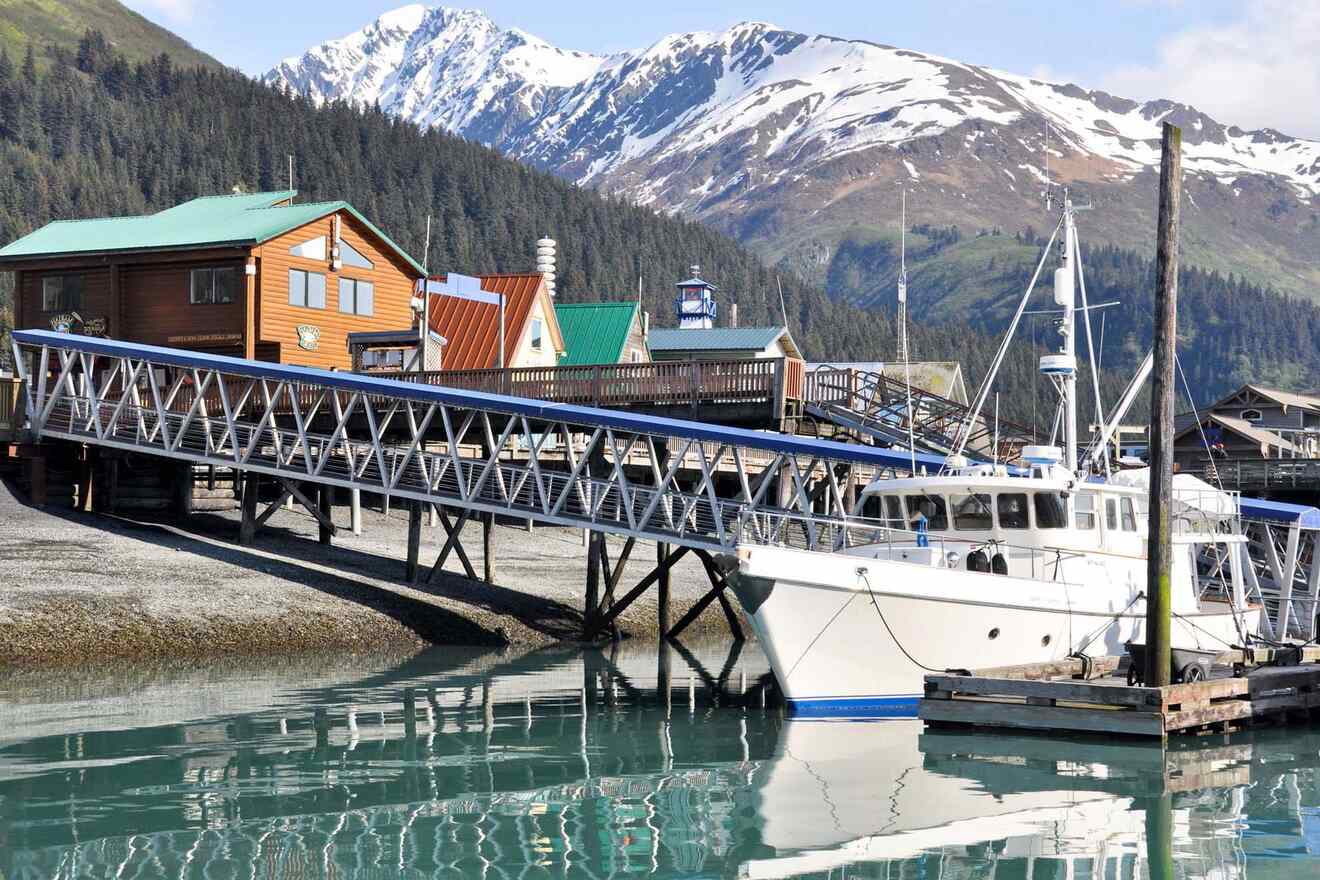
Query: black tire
(1192, 673)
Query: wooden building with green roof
(255, 275)
(602, 333)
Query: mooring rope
(861, 573)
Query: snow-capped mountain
(787, 139)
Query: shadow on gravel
(429, 622)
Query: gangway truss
(677, 482)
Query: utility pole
(1159, 556)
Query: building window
(61, 293)
(356, 297)
(306, 289)
(213, 285)
(536, 334)
(1251, 415)
(351, 256)
(636, 355)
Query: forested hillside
(96, 136)
(1230, 329)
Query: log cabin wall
(96, 297)
(279, 320)
(157, 308)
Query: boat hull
(851, 636)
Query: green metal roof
(244, 219)
(594, 333)
(717, 339)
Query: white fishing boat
(982, 565)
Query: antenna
(1049, 196)
(783, 310)
(902, 326)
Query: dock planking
(1054, 698)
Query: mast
(1067, 326)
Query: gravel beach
(80, 588)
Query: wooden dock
(1054, 698)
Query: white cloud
(1260, 70)
(172, 10)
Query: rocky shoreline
(82, 588)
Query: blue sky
(1251, 62)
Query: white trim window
(306, 289)
(213, 285)
(357, 297)
(537, 333)
(62, 293)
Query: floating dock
(1057, 698)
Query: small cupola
(694, 307)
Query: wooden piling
(325, 504)
(247, 528)
(663, 623)
(414, 540)
(1160, 551)
(183, 488)
(488, 547)
(591, 602)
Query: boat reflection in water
(484, 765)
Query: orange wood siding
(278, 320)
(95, 301)
(156, 308)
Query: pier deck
(1046, 697)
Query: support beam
(452, 543)
(414, 540)
(609, 616)
(591, 602)
(1159, 558)
(247, 528)
(718, 586)
(719, 579)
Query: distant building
(1252, 422)
(602, 333)
(694, 306)
(252, 275)
(471, 328)
(722, 343)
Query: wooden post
(251, 290)
(183, 489)
(662, 593)
(325, 504)
(37, 478)
(87, 488)
(1159, 835)
(1160, 550)
(488, 547)
(414, 539)
(247, 528)
(591, 603)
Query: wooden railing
(698, 388)
(10, 417)
(659, 383)
(1262, 473)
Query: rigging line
(1141, 594)
(1205, 441)
(861, 573)
(1194, 626)
(812, 644)
(974, 412)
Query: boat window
(1111, 514)
(933, 506)
(894, 511)
(972, 513)
(1051, 510)
(1129, 516)
(1084, 516)
(1012, 510)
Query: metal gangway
(683, 484)
(874, 408)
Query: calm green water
(459, 764)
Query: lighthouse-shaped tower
(695, 304)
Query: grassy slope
(42, 23)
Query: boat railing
(840, 534)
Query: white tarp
(1189, 493)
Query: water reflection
(464, 764)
